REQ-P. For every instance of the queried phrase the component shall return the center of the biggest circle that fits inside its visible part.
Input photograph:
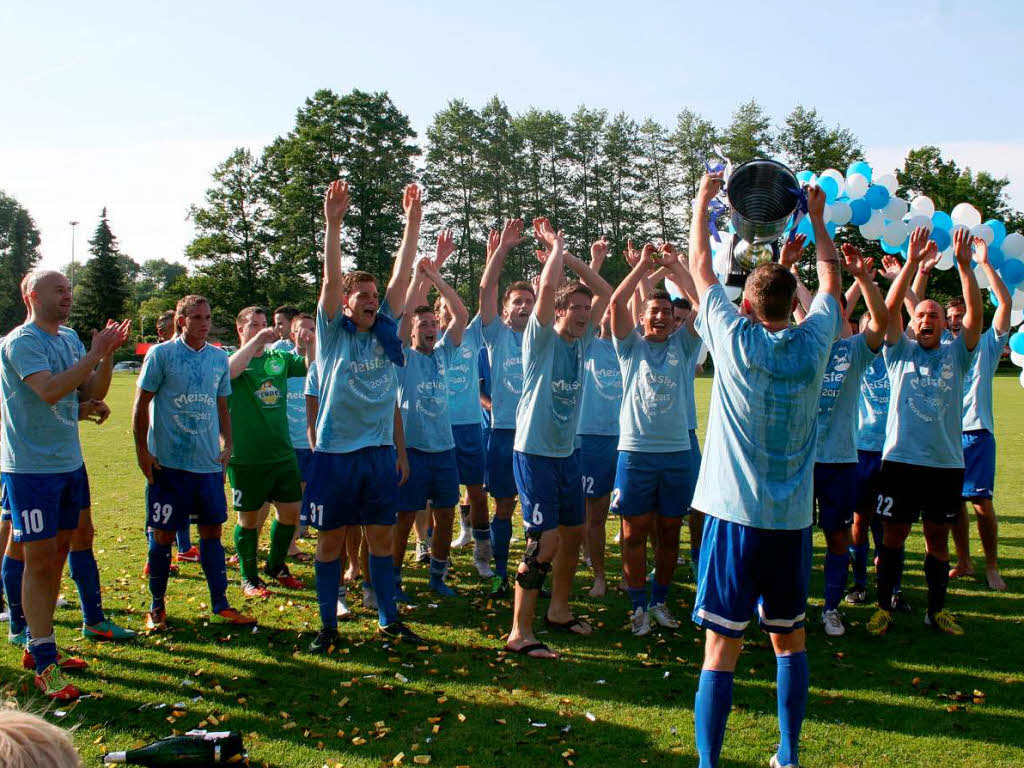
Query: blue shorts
(979, 464)
(550, 491)
(741, 568)
(695, 458)
(499, 477)
(835, 491)
(470, 453)
(304, 456)
(433, 477)
(598, 454)
(177, 497)
(356, 488)
(869, 464)
(45, 503)
(5, 506)
(653, 482)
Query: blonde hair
(28, 741)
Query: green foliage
(806, 142)
(19, 252)
(102, 290)
(750, 134)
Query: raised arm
(829, 279)
(878, 318)
(789, 258)
(971, 328)
(623, 321)
(1001, 319)
(551, 275)
(700, 242)
(589, 276)
(919, 243)
(52, 387)
(415, 296)
(332, 292)
(401, 271)
(97, 384)
(240, 360)
(431, 270)
(678, 274)
(498, 247)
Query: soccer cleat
(231, 616)
(640, 622)
(156, 620)
(499, 587)
(465, 532)
(344, 613)
(774, 763)
(19, 639)
(482, 554)
(256, 589)
(857, 596)
(369, 597)
(323, 642)
(190, 555)
(399, 630)
(70, 663)
(879, 622)
(5, 615)
(285, 579)
(661, 614)
(53, 685)
(944, 622)
(422, 551)
(898, 603)
(833, 622)
(107, 630)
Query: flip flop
(527, 650)
(568, 626)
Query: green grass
(611, 700)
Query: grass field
(912, 698)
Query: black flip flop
(526, 650)
(568, 626)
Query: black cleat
(325, 640)
(898, 603)
(399, 630)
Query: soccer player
(923, 459)
(182, 450)
(43, 368)
(303, 336)
(423, 401)
(359, 459)
(755, 484)
(263, 468)
(284, 317)
(547, 470)
(165, 326)
(503, 337)
(654, 478)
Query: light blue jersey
(657, 385)
(184, 428)
(602, 390)
(283, 345)
(978, 382)
(926, 403)
(38, 438)
(548, 411)
(504, 350)
(758, 465)
(423, 398)
(840, 395)
(464, 377)
(357, 384)
(873, 406)
(312, 381)
(297, 412)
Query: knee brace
(536, 571)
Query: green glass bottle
(196, 748)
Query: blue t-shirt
(282, 345)
(38, 438)
(978, 382)
(484, 366)
(873, 406)
(184, 427)
(504, 348)
(357, 384)
(758, 465)
(464, 377)
(423, 397)
(926, 403)
(297, 412)
(548, 411)
(602, 390)
(840, 394)
(657, 381)
(312, 381)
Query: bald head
(928, 324)
(47, 296)
(37, 278)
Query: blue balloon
(804, 177)
(859, 167)
(888, 248)
(877, 196)
(1017, 343)
(941, 238)
(905, 247)
(996, 257)
(998, 229)
(831, 228)
(942, 220)
(1012, 271)
(861, 212)
(830, 187)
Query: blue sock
(501, 538)
(184, 540)
(791, 680)
(710, 712)
(859, 559)
(836, 568)
(12, 572)
(44, 652)
(327, 576)
(437, 568)
(86, 576)
(159, 569)
(482, 534)
(637, 597)
(211, 555)
(382, 576)
(659, 593)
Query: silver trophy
(762, 194)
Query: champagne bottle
(196, 748)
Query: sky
(132, 105)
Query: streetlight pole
(73, 225)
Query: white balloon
(894, 234)
(733, 292)
(982, 278)
(872, 229)
(1016, 318)
(888, 180)
(1018, 300)
(896, 208)
(702, 356)
(922, 205)
(840, 213)
(1016, 357)
(856, 186)
(720, 258)
(918, 220)
(1013, 245)
(966, 214)
(946, 260)
(984, 231)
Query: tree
(808, 143)
(693, 142)
(661, 198)
(19, 252)
(622, 186)
(749, 135)
(583, 149)
(102, 290)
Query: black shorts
(907, 492)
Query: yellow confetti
(359, 741)
(397, 759)
(421, 759)
(462, 718)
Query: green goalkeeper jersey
(259, 408)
